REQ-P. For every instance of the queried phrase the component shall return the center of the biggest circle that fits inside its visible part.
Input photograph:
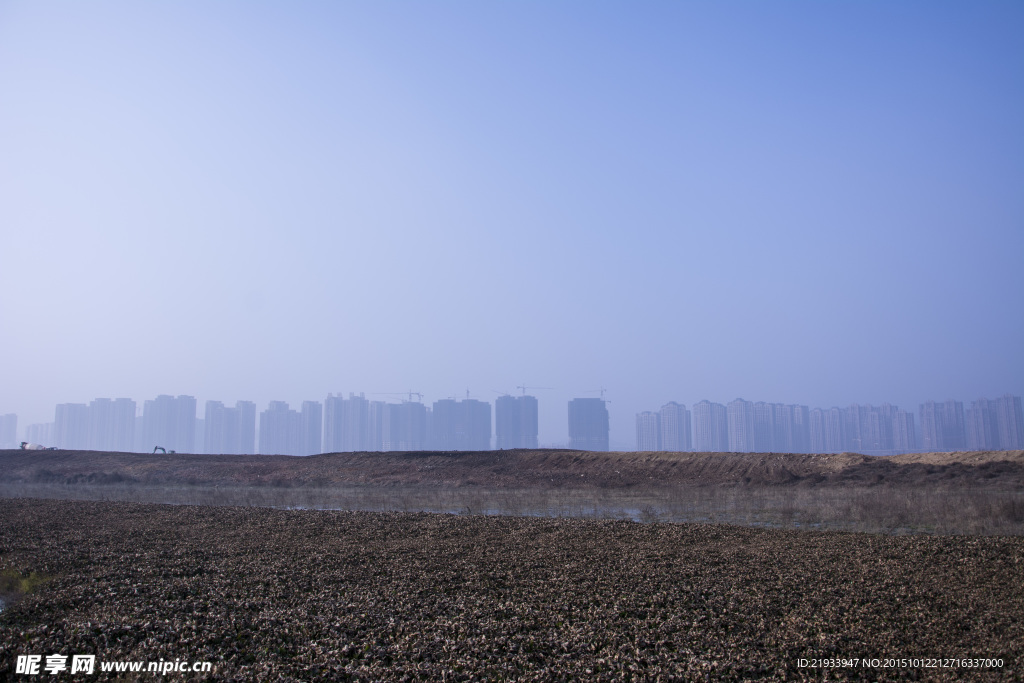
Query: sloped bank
(531, 469)
(945, 493)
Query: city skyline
(622, 424)
(812, 203)
(340, 424)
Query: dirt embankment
(539, 469)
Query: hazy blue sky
(810, 202)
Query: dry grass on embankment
(528, 469)
(948, 493)
(326, 596)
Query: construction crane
(524, 388)
(453, 397)
(597, 391)
(410, 394)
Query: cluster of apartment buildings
(353, 423)
(745, 426)
(337, 424)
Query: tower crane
(410, 394)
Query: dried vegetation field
(532, 469)
(309, 595)
(945, 493)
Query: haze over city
(798, 203)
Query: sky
(803, 202)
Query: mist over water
(799, 205)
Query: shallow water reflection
(878, 509)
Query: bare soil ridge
(535, 469)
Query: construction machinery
(524, 388)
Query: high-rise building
(880, 421)
(648, 431)
(741, 426)
(71, 426)
(515, 422)
(312, 426)
(476, 424)
(375, 425)
(789, 428)
(123, 429)
(932, 432)
(801, 429)
(334, 424)
(827, 429)
(903, 438)
(404, 426)
(9, 431)
(431, 437)
(347, 424)
(229, 430)
(354, 423)
(442, 424)
(982, 426)
(170, 423)
(280, 430)
(782, 434)
(199, 438)
(100, 423)
(217, 432)
(834, 437)
(1009, 422)
(461, 425)
(856, 428)
(863, 429)
(675, 427)
(588, 424)
(954, 433)
(816, 430)
(710, 427)
(112, 425)
(764, 427)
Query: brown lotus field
(318, 595)
(976, 493)
(516, 565)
